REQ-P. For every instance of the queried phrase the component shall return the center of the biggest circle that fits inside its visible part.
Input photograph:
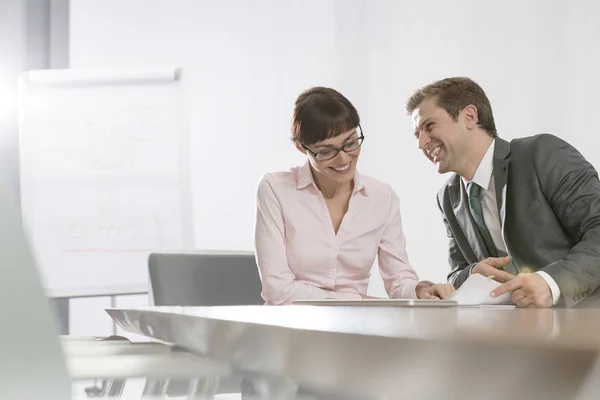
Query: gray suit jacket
(550, 198)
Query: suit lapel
(460, 206)
(501, 165)
(501, 159)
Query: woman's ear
(300, 148)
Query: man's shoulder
(535, 141)
(540, 148)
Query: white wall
(245, 62)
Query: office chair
(204, 279)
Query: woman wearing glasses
(319, 226)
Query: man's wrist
(552, 285)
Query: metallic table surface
(390, 352)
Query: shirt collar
(305, 178)
(483, 174)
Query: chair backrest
(204, 279)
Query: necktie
(477, 213)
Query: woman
(320, 226)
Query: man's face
(440, 137)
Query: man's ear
(470, 116)
(300, 148)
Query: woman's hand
(427, 290)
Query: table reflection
(239, 387)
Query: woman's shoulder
(278, 179)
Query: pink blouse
(300, 256)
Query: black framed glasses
(332, 153)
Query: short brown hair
(454, 94)
(321, 113)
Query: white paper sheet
(476, 291)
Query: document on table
(475, 291)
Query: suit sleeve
(460, 269)
(571, 187)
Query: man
(526, 212)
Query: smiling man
(526, 212)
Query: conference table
(359, 352)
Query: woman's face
(331, 162)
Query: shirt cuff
(552, 284)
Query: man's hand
(489, 267)
(438, 291)
(529, 290)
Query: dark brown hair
(321, 113)
(454, 94)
